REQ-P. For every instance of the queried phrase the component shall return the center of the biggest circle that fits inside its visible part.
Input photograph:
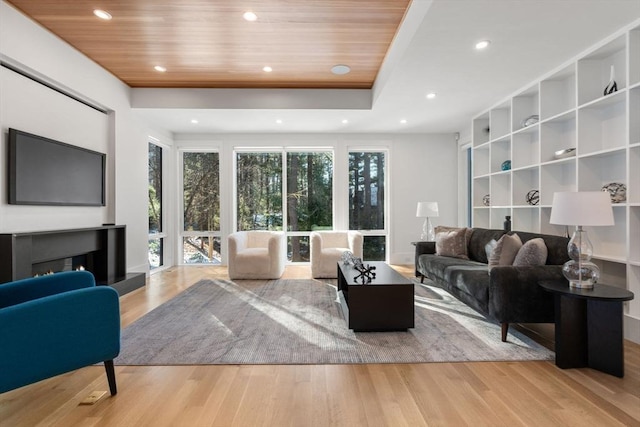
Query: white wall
(421, 167)
(58, 117)
(33, 49)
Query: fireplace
(78, 262)
(100, 250)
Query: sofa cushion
(452, 243)
(533, 252)
(505, 251)
(470, 283)
(435, 266)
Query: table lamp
(427, 210)
(586, 208)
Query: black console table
(102, 249)
(589, 326)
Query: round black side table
(589, 326)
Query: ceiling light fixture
(267, 69)
(403, 121)
(340, 69)
(431, 95)
(102, 14)
(278, 121)
(345, 121)
(194, 121)
(160, 68)
(482, 44)
(250, 16)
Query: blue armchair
(54, 324)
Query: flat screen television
(47, 172)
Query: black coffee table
(589, 326)
(385, 304)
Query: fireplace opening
(78, 262)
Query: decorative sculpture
(366, 272)
(612, 86)
(617, 191)
(347, 258)
(533, 197)
(531, 120)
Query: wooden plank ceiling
(207, 43)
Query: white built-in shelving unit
(574, 113)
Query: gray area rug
(300, 322)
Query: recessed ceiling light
(160, 68)
(278, 121)
(403, 121)
(431, 95)
(194, 121)
(250, 16)
(345, 121)
(340, 69)
(267, 69)
(482, 44)
(102, 14)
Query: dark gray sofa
(509, 294)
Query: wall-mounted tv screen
(47, 172)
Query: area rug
(300, 322)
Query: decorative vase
(486, 200)
(533, 197)
(507, 223)
(506, 165)
(617, 191)
(612, 86)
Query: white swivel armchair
(327, 248)
(256, 255)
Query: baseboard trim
(129, 283)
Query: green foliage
(201, 191)
(259, 191)
(309, 191)
(366, 191)
(155, 188)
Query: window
(309, 200)
(300, 183)
(156, 220)
(367, 201)
(200, 208)
(259, 191)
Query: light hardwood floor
(433, 394)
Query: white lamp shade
(427, 209)
(582, 208)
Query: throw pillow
(505, 251)
(452, 243)
(467, 234)
(489, 247)
(533, 252)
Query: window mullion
(285, 191)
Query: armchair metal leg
(111, 376)
(505, 329)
